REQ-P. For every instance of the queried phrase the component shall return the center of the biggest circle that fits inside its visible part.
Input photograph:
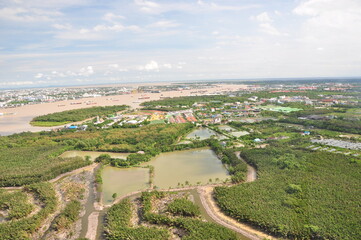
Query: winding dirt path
(210, 205)
(212, 209)
(93, 222)
(251, 171)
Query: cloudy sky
(76, 42)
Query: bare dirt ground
(92, 226)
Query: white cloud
(165, 24)
(20, 14)
(86, 71)
(16, 83)
(113, 18)
(167, 65)
(269, 29)
(266, 24)
(151, 7)
(113, 66)
(62, 26)
(39, 75)
(152, 66)
(263, 17)
(98, 32)
(48, 3)
(332, 22)
(344, 14)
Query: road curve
(251, 171)
(210, 205)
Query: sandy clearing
(92, 226)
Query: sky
(79, 42)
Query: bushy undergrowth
(23, 228)
(299, 194)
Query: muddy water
(171, 170)
(194, 166)
(93, 155)
(201, 134)
(123, 181)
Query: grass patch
(48, 124)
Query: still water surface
(201, 133)
(192, 166)
(123, 181)
(196, 165)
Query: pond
(92, 155)
(172, 169)
(123, 181)
(193, 166)
(226, 128)
(203, 133)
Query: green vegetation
(23, 228)
(236, 167)
(183, 207)
(15, 204)
(195, 229)
(28, 164)
(68, 216)
(61, 118)
(132, 160)
(32, 157)
(118, 225)
(341, 125)
(152, 139)
(299, 194)
(171, 104)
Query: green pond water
(93, 155)
(196, 165)
(202, 133)
(123, 181)
(192, 166)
